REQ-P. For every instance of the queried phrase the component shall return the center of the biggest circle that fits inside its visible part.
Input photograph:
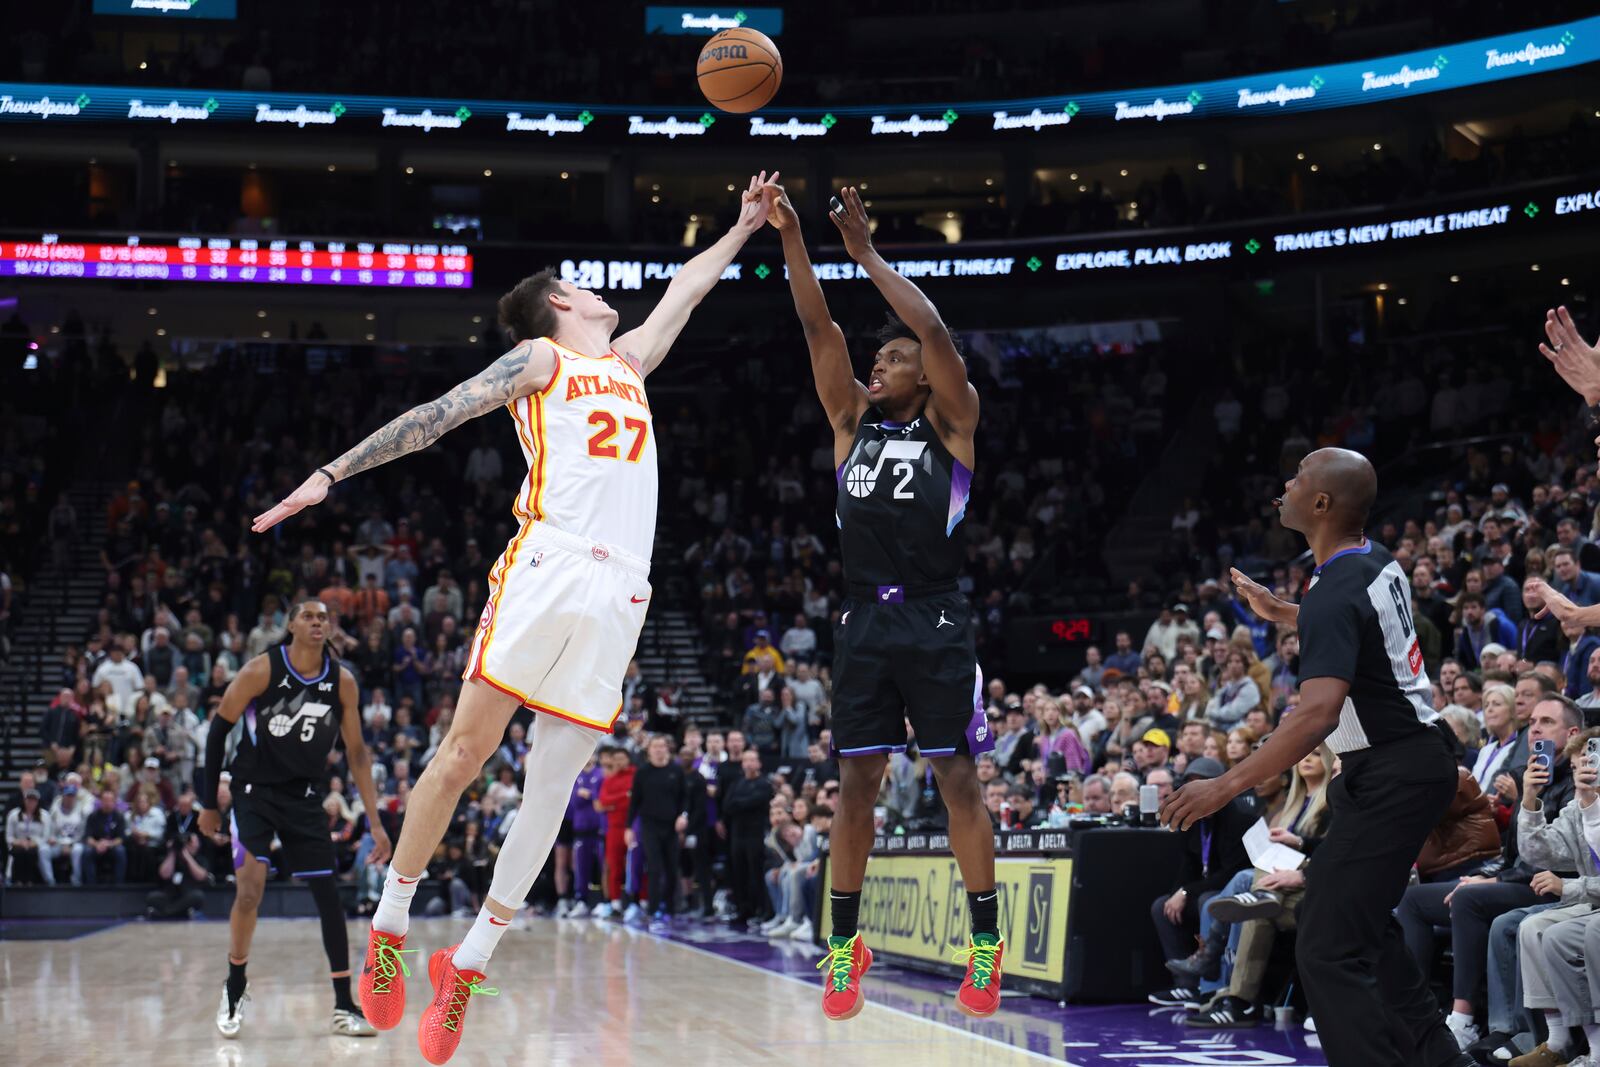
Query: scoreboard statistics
(248, 260)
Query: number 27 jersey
(902, 498)
(591, 452)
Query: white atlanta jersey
(591, 452)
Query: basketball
(739, 70)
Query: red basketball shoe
(979, 995)
(382, 989)
(842, 969)
(443, 1019)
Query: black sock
(985, 909)
(235, 981)
(846, 912)
(341, 995)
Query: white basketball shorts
(561, 624)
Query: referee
(1363, 689)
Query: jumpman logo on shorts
(942, 620)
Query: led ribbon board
(1371, 81)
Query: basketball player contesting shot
(566, 599)
(904, 448)
(1363, 688)
(296, 700)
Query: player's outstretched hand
(312, 491)
(381, 848)
(781, 214)
(852, 223)
(1193, 801)
(754, 203)
(1259, 597)
(1574, 358)
(1550, 602)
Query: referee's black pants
(1372, 1006)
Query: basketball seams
(713, 76)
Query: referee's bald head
(1333, 487)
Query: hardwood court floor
(578, 994)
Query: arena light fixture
(1123, 172)
(161, 332)
(372, 337)
(1566, 281)
(1377, 146)
(1401, 301)
(477, 319)
(988, 182)
(261, 313)
(730, 185)
(472, 339)
(655, 188)
(149, 311)
(1072, 177)
(863, 185)
(1199, 166)
(655, 199)
(487, 173)
(564, 175)
(371, 316)
(410, 170)
(331, 168)
(1534, 267)
(1383, 287)
(1314, 168)
(1455, 277)
(266, 334)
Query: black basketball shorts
(898, 659)
(291, 811)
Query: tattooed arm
(523, 370)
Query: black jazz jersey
(1356, 624)
(291, 727)
(902, 497)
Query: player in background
(296, 700)
(567, 597)
(903, 446)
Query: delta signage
(1369, 81)
(705, 21)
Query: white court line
(870, 1002)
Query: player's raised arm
(523, 370)
(646, 346)
(954, 395)
(843, 397)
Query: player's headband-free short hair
(525, 312)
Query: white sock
(1460, 1019)
(1560, 1036)
(394, 907)
(475, 949)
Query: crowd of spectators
(726, 819)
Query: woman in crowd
(1500, 722)
(1058, 739)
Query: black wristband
(324, 472)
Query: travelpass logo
(1529, 53)
(1405, 77)
(172, 111)
(915, 125)
(549, 124)
(639, 126)
(793, 129)
(425, 120)
(300, 115)
(42, 106)
(1158, 108)
(1281, 94)
(1036, 119)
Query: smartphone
(1591, 752)
(1544, 753)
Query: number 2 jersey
(1356, 625)
(591, 452)
(902, 497)
(292, 726)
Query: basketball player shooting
(903, 446)
(296, 701)
(566, 599)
